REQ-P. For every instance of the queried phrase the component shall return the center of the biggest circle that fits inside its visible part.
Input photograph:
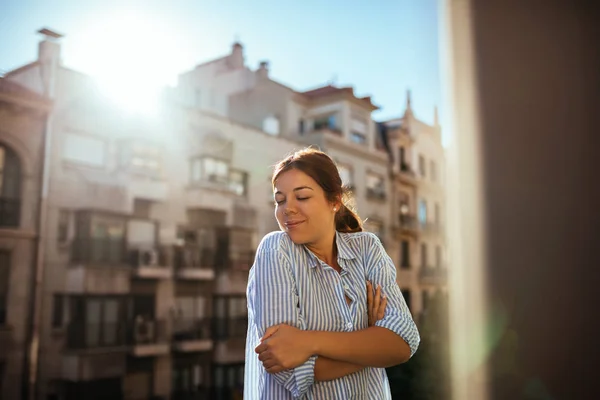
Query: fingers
(260, 348)
(376, 302)
(381, 311)
(269, 332)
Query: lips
(292, 224)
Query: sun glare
(132, 59)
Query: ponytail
(347, 221)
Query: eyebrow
(296, 189)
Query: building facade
(152, 222)
(23, 115)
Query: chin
(297, 237)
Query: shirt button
(349, 325)
(345, 286)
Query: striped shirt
(289, 284)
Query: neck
(325, 250)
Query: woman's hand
(283, 347)
(375, 304)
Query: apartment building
(152, 223)
(418, 206)
(331, 118)
(23, 115)
(152, 227)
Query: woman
(309, 335)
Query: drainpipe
(48, 71)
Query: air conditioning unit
(145, 257)
(144, 331)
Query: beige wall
(21, 130)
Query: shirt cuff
(304, 377)
(403, 327)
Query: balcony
(407, 175)
(10, 212)
(433, 276)
(408, 224)
(194, 262)
(99, 265)
(150, 262)
(147, 337)
(230, 328)
(192, 335)
(376, 194)
(87, 336)
(241, 261)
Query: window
(301, 126)
(405, 254)
(438, 256)
(4, 276)
(63, 226)
(422, 168)
(402, 158)
(358, 138)
(345, 174)
(143, 158)
(375, 186)
(10, 188)
(271, 125)
(237, 182)
(433, 170)
(102, 322)
(423, 255)
(84, 150)
(210, 169)
(359, 126)
(422, 211)
(326, 122)
(99, 239)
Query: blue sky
(381, 47)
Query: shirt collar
(344, 250)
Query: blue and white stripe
(289, 284)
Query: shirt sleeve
(397, 317)
(273, 299)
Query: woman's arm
(391, 341)
(327, 369)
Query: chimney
(236, 59)
(49, 47)
(263, 69)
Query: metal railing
(190, 256)
(115, 334)
(230, 328)
(99, 250)
(191, 329)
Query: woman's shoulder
(361, 239)
(274, 241)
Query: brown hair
(320, 167)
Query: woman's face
(301, 208)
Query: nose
(289, 208)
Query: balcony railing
(242, 261)
(96, 335)
(377, 194)
(99, 250)
(409, 222)
(192, 329)
(116, 334)
(230, 328)
(10, 212)
(190, 256)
